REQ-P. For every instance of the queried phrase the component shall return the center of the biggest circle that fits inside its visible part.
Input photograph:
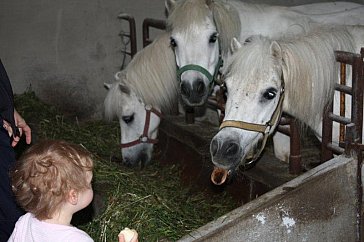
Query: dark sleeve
(6, 97)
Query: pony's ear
(119, 75)
(169, 4)
(276, 50)
(124, 88)
(107, 85)
(235, 45)
(209, 2)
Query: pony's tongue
(219, 175)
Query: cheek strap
(143, 138)
(265, 129)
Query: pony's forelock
(225, 17)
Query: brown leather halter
(144, 137)
(261, 128)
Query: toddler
(52, 181)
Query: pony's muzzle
(199, 87)
(185, 89)
(194, 97)
(230, 148)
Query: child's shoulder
(26, 218)
(76, 235)
(67, 233)
(43, 231)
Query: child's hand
(128, 235)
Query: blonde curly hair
(46, 172)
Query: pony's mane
(151, 74)
(309, 67)
(189, 12)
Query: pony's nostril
(185, 91)
(200, 87)
(231, 149)
(213, 147)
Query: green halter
(192, 67)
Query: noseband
(144, 137)
(192, 67)
(261, 128)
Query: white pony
(201, 32)
(266, 77)
(141, 92)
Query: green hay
(151, 200)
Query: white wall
(65, 50)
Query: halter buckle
(148, 107)
(143, 139)
(267, 129)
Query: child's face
(86, 196)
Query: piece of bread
(128, 234)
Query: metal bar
(335, 148)
(126, 52)
(357, 100)
(295, 166)
(284, 129)
(132, 33)
(339, 119)
(356, 61)
(344, 89)
(284, 120)
(326, 153)
(155, 23)
(346, 57)
(190, 115)
(342, 101)
(289, 126)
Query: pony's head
(256, 77)
(200, 34)
(255, 91)
(138, 122)
(149, 79)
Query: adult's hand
(23, 128)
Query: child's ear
(73, 197)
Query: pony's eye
(270, 93)
(248, 40)
(213, 38)
(173, 42)
(128, 119)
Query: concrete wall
(65, 50)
